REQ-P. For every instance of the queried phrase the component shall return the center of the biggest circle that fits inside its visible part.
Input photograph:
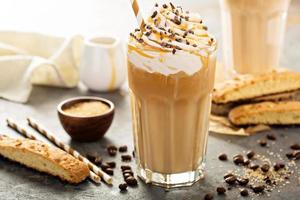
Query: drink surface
(171, 66)
(253, 32)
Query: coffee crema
(87, 109)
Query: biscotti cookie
(44, 158)
(272, 113)
(245, 87)
(224, 109)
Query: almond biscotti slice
(44, 158)
(272, 113)
(245, 87)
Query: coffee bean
(126, 158)
(123, 186)
(221, 190)
(268, 180)
(112, 147)
(125, 167)
(112, 152)
(278, 166)
(133, 154)
(258, 188)
(296, 155)
(238, 159)
(250, 154)
(262, 142)
(290, 155)
(123, 149)
(228, 175)
(271, 136)
(265, 167)
(128, 172)
(230, 180)
(253, 166)
(244, 192)
(246, 162)
(208, 196)
(131, 181)
(111, 164)
(98, 160)
(91, 157)
(295, 146)
(223, 157)
(126, 175)
(104, 166)
(243, 181)
(109, 171)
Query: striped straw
(42, 130)
(137, 13)
(25, 133)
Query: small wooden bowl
(85, 129)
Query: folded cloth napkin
(32, 58)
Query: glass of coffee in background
(171, 66)
(253, 32)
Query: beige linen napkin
(32, 58)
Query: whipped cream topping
(170, 41)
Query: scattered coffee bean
(265, 167)
(126, 158)
(243, 181)
(250, 154)
(268, 180)
(258, 188)
(230, 180)
(221, 190)
(244, 192)
(109, 171)
(228, 175)
(223, 157)
(238, 159)
(91, 157)
(123, 149)
(278, 166)
(126, 175)
(246, 162)
(296, 155)
(133, 154)
(253, 166)
(289, 155)
(262, 142)
(295, 146)
(112, 150)
(271, 136)
(125, 167)
(123, 186)
(131, 181)
(104, 166)
(128, 172)
(208, 196)
(98, 161)
(111, 164)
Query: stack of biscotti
(272, 98)
(44, 158)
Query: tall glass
(171, 121)
(253, 32)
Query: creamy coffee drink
(253, 32)
(171, 67)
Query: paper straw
(25, 133)
(137, 13)
(42, 130)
